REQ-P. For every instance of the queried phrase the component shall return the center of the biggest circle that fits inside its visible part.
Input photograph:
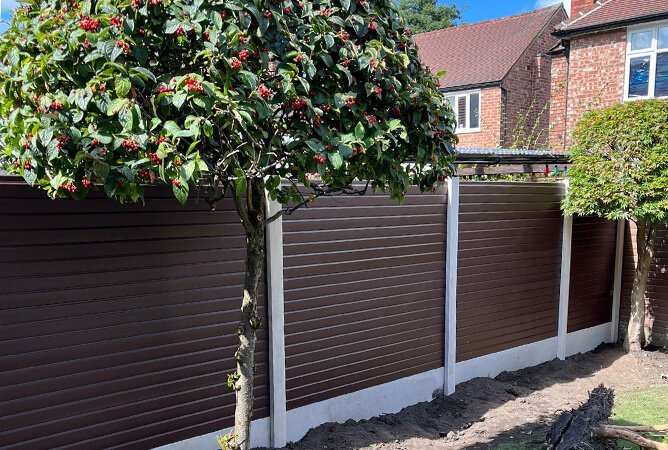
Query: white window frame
(652, 52)
(467, 94)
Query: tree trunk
(645, 240)
(251, 211)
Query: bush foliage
(128, 92)
(620, 163)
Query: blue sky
(475, 11)
(479, 10)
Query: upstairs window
(467, 110)
(647, 63)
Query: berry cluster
(243, 55)
(346, 63)
(86, 183)
(69, 188)
(156, 2)
(319, 159)
(56, 105)
(264, 92)
(350, 101)
(63, 141)
(317, 121)
(223, 14)
(377, 90)
(373, 25)
(136, 4)
(176, 182)
(343, 35)
(160, 140)
(180, 32)
(235, 63)
(124, 45)
(299, 103)
(95, 143)
(144, 173)
(177, 163)
(88, 24)
(162, 89)
(193, 84)
(130, 144)
(116, 21)
(287, 10)
(154, 158)
(267, 14)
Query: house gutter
(567, 33)
(467, 87)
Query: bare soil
(484, 413)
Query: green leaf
(127, 119)
(30, 176)
(208, 129)
(335, 159)
(144, 71)
(359, 131)
(241, 186)
(122, 86)
(329, 40)
(116, 105)
(441, 73)
(345, 4)
(171, 26)
(181, 191)
(327, 59)
(101, 170)
(179, 99)
(13, 57)
(155, 122)
(141, 53)
(172, 128)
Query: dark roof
(614, 14)
(484, 52)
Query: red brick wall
(489, 135)
(527, 84)
(558, 102)
(596, 76)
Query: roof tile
(611, 11)
(482, 52)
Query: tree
(228, 97)
(620, 171)
(428, 15)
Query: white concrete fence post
(274, 245)
(565, 283)
(617, 286)
(451, 286)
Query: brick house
(496, 71)
(610, 51)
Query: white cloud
(545, 3)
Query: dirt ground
(484, 413)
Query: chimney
(582, 6)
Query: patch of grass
(640, 407)
(524, 445)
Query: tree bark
(609, 432)
(251, 211)
(645, 240)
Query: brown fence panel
(656, 294)
(508, 265)
(117, 322)
(592, 272)
(364, 293)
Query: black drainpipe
(504, 123)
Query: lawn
(640, 407)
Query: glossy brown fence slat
(656, 294)
(117, 322)
(364, 293)
(592, 272)
(509, 261)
